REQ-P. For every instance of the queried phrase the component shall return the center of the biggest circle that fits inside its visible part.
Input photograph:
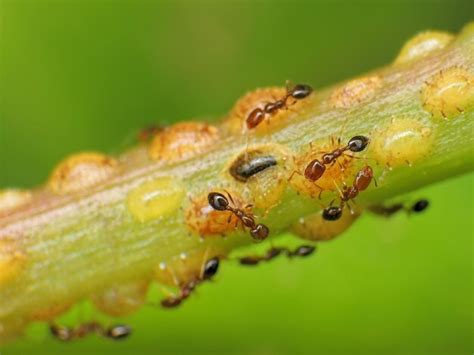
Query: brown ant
(316, 168)
(256, 116)
(210, 269)
(387, 211)
(301, 251)
(64, 333)
(361, 182)
(220, 203)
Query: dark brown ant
(220, 203)
(387, 211)
(210, 269)
(64, 333)
(256, 116)
(361, 182)
(301, 251)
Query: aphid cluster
(257, 115)
(116, 332)
(210, 269)
(219, 202)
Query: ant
(210, 269)
(257, 115)
(64, 333)
(387, 211)
(301, 251)
(316, 168)
(220, 203)
(361, 182)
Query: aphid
(301, 251)
(64, 333)
(257, 115)
(209, 270)
(316, 168)
(220, 203)
(243, 169)
(388, 211)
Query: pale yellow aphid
(355, 92)
(423, 44)
(12, 259)
(11, 199)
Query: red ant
(361, 182)
(210, 269)
(64, 333)
(220, 203)
(256, 116)
(301, 251)
(316, 168)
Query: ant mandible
(257, 115)
(220, 203)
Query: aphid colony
(222, 211)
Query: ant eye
(218, 201)
(119, 332)
(420, 206)
(211, 268)
(332, 213)
(301, 91)
(358, 143)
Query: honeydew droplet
(81, 171)
(448, 93)
(402, 142)
(155, 199)
(423, 44)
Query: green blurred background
(86, 75)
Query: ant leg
(293, 173)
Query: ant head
(332, 213)
(300, 91)
(218, 201)
(420, 205)
(260, 232)
(119, 332)
(358, 143)
(210, 268)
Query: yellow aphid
(205, 221)
(271, 167)
(401, 142)
(181, 270)
(423, 44)
(121, 299)
(355, 92)
(13, 198)
(155, 199)
(182, 141)
(316, 228)
(448, 93)
(81, 171)
(12, 259)
(51, 312)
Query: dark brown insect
(248, 165)
(361, 182)
(257, 115)
(210, 269)
(64, 333)
(220, 203)
(387, 211)
(301, 251)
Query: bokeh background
(86, 75)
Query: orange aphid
(182, 141)
(80, 171)
(355, 92)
